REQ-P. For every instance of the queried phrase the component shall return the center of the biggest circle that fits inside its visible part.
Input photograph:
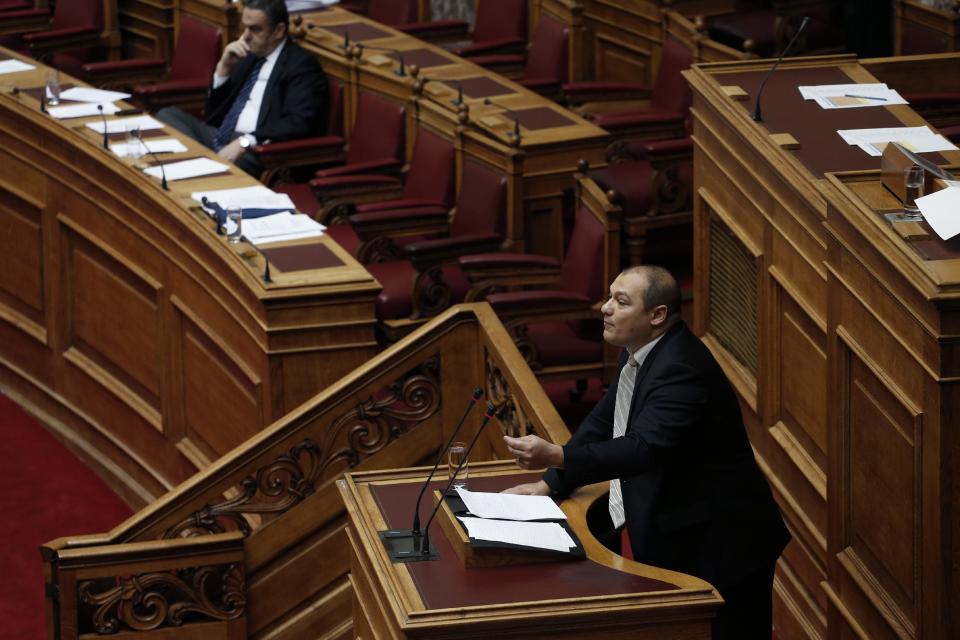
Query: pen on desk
(850, 95)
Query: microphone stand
(163, 173)
(402, 71)
(513, 114)
(757, 117)
(103, 118)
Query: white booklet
(258, 197)
(155, 145)
(541, 535)
(82, 110)
(941, 210)
(279, 227)
(506, 506)
(14, 66)
(89, 94)
(120, 125)
(184, 169)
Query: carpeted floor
(50, 493)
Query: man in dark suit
(265, 88)
(669, 437)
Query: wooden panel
(803, 364)
(21, 277)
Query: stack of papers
(14, 66)
(941, 210)
(154, 145)
(89, 94)
(120, 125)
(847, 96)
(82, 110)
(258, 197)
(916, 139)
(507, 518)
(279, 227)
(185, 169)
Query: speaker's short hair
(276, 10)
(660, 288)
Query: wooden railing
(254, 545)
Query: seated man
(669, 437)
(265, 88)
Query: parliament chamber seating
(185, 84)
(554, 318)
(499, 27)
(76, 32)
(764, 27)
(429, 181)
(375, 145)
(426, 279)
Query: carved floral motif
(513, 420)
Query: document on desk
(541, 535)
(185, 169)
(258, 197)
(505, 506)
(154, 145)
(14, 66)
(121, 125)
(848, 96)
(89, 94)
(280, 227)
(941, 210)
(916, 139)
(82, 110)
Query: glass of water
(234, 221)
(53, 87)
(913, 179)
(457, 454)
(135, 148)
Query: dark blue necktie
(229, 124)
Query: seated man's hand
(232, 151)
(538, 488)
(533, 452)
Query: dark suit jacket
(694, 499)
(294, 102)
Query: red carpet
(49, 493)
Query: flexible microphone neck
(402, 71)
(757, 117)
(425, 540)
(477, 393)
(106, 136)
(163, 173)
(513, 114)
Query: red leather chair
(557, 328)
(428, 279)
(75, 26)
(546, 65)
(499, 27)
(430, 181)
(392, 12)
(669, 100)
(195, 57)
(376, 145)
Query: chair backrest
(432, 169)
(78, 13)
(392, 12)
(378, 129)
(670, 90)
(496, 19)
(582, 270)
(197, 50)
(334, 107)
(482, 201)
(547, 57)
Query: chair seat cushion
(632, 180)
(345, 236)
(558, 343)
(302, 196)
(397, 279)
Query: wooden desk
(146, 341)
(561, 599)
(833, 355)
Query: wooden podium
(566, 599)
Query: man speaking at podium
(265, 88)
(669, 437)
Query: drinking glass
(135, 148)
(456, 454)
(913, 178)
(53, 88)
(234, 220)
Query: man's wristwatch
(246, 141)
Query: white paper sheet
(82, 110)
(507, 506)
(941, 210)
(156, 145)
(258, 197)
(187, 169)
(14, 66)
(812, 92)
(89, 94)
(542, 535)
(861, 99)
(120, 125)
(918, 139)
(306, 5)
(280, 227)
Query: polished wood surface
(389, 598)
(838, 339)
(147, 342)
(920, 28)
(277, 489)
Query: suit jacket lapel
(270, 93)
(648, 362)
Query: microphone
(106, 136)
(756, 106)
(43, 100)
(402, 71)
(414, 532)
(425, 540)
(513, 114)
(216, 216)
(266, 263)
(163, 174)
(459, 100)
